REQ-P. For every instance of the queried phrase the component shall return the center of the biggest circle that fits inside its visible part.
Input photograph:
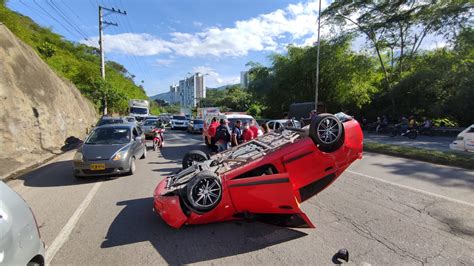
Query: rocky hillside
(38, 110)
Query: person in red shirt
(247, 134)
(254, 128)
(212, 133)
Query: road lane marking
(412, 189)
(71, 223)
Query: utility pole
(101, 42)
(317, 61)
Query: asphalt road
(384, 210)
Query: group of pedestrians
(222, 136)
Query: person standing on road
(212, 133)
(265, 129)
(254, 128)
(247, 133)
(222, 136)
(236, 134)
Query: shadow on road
(191, 244)
(54, 175)
(444, 176)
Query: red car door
(270, 196)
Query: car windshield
(110, 121)
(109, 135)
(138, 110)
(242, 120)
(179, 117)
(150, 122)
(198, 122)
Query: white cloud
(214, 79)
(198, 24)
(262, 33)
(142, 44)
(163, 62)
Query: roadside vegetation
(432, 156)
(77, 63)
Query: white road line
(412, 189)
(71, 223)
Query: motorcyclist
(411, 122)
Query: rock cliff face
(38, 110)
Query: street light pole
(317, 60)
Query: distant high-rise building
(174, 94)
(244, 79)
(191, 90)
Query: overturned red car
(265, 179)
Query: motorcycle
(158, 138)
(410, 133)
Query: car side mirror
(138, 138)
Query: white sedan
(20, 242)
(464, 141)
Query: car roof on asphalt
(111, 118)
(117, 125)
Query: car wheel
(144, 153)
(203, 192)
(412, 134)
(194, 156)
(327, 132)
(133, 166)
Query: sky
(163, 41)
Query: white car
(465, 140)
(233, 117)
(279, 123)
(20, 242)
(179, 121)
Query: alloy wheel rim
(328, 130)
(206, 192)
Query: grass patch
(431, 156)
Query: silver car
(20, 242)
(195, 126)
(148, 126)
(110, 150)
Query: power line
(53, 18)
(134, 57)
(66, 19)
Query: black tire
(393, 133)
(194, 156)
(412, 134)
(133, 166)
(155, 146)
(203, 192)
(327, 132)
(144, 154)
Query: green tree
(399, 28)
(348, 80)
